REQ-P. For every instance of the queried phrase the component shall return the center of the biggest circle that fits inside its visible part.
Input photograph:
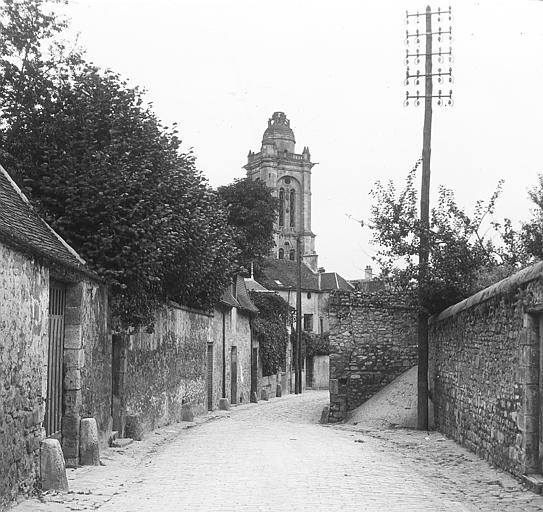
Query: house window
(281, 254)
(292, 254)
(308, 323)
(292, 207)
(281, 207)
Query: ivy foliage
(270, 328)
(252, 210)
(106, 174)
(463, 251)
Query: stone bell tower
(288, 174)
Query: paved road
(274, 456)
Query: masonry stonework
(167, 368)
(373, 339)
(24, 299)
(484, 371)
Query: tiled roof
(333, 281)
(281, 275)
(237, 297)
(22, 228)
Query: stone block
(333, 386)
(72, 336)
(52, 466)
(133, 427)
(186, 413)
(74, 295)
(279, 390)
(72, 402)
(530, 399)
(224, 404)
(264, 394)
(89, 450)
(70, 436)
(72, 315)
(72, 379)
(74, 358)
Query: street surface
(274, 456)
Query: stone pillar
(74, 360)
(529, 378)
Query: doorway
(234, 375)
(210, 376)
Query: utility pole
(298, 348)
(424, 236)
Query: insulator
(417, 103)
(417, 61)
(417, 82)
(406, 103)
(440, 59)
(439, 102)
(406, 82)
(451, 79)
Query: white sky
(220, 68)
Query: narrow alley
(274, 455)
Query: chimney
(368, 273)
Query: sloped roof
(253, 285)
(237, 297)
(23, 229)
(333, 281)
(281, 275)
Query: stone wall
(484, 371)
(373, 339)
(167, 368)
(237, 334)
(24, 302)
(96, 371)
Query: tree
(531, 234)
(110, 178)
(459, 250)
(252, 210)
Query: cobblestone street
(274, 456)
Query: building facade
(288, 174)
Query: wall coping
(175, 305)
(502, 287)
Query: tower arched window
(292, 208)
(281, 207)
(292, 254)
(281, 254)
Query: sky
(220, 68)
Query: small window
(308, 323)
(281, 254)
(292, 254)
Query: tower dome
(278, 133)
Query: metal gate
(210, 376)
(53, 405)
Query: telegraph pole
(298, 348)
(424, 236)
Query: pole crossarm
(439, 12)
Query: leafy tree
(108, 176)
(252, 210)
(532, 232)
(459, 250)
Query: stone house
(280, 276)
(54, 353)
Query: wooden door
(234, 375)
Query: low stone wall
(484, 371)
(24, 303)
(373, 339)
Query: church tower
(288, 174)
